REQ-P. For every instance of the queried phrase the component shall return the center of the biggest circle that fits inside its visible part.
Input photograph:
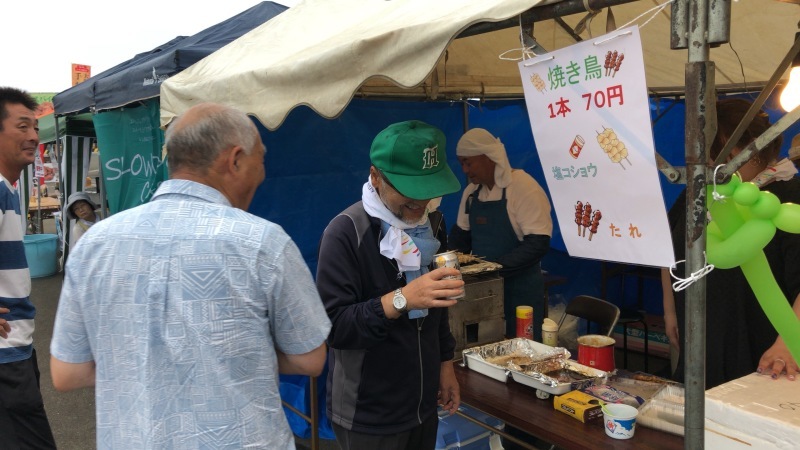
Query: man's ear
(234, 159)
(374, 176)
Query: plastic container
(619, 420)
(40, 251)
(525, 322)
(550, 333)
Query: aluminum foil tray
(528, 362)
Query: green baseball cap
(412, 156)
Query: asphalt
(71, 414)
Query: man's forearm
(530, 252)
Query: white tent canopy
(321, 53)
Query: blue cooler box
(40, 251)
(456, 432)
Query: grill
(477, 318)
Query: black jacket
(383, 374)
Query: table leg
(499, 432)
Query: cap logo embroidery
(429, 158)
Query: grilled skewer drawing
(579, 215)
(617, 64)
(596, 216)
(586, 220)
(612, 146)
(538, 83)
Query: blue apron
(492, 237)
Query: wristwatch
(399, 301)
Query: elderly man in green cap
(390, 346)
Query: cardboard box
(751, 412)
(657, 342)
(579, 405)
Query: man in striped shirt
(23, 422)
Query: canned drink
(449, 259)
(576, 147)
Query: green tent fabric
(78, 125)
(130, 143)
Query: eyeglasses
(386, 180)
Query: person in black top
(739, 337)
(390, 348)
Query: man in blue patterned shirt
(183, 311)
(23, 422)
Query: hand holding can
(449, 259)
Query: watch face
(399, 301)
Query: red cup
(596, 351)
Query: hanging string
(657, 10)
(714, 194)
(528, 53)
(525, 52)
(683, 283)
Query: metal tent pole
(701, 127)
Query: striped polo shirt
(15, 279)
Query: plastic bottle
(525, 322)
(550, 332)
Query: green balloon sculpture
(742, 224)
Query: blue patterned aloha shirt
(181, 303)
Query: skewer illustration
(612, 146)
(587, 218)
(613, 62)
(617, 64)
(579, 215)
(596, 216)
(538, 83)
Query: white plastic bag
(568, 332)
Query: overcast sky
(41, 39)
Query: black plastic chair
(629, 316)
(593, 310)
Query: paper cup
(619, 420)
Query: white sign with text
(590, 117)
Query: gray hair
(197, 145)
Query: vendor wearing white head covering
(81, 209)
(504, 217)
